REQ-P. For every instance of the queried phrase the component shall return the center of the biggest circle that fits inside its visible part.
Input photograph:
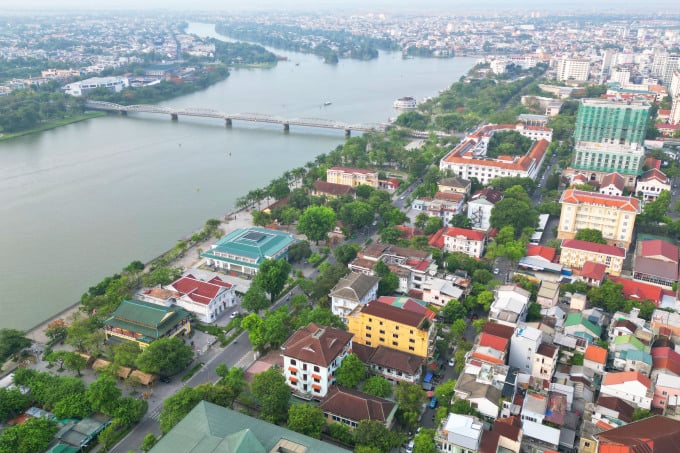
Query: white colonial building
(466, 241)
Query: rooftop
(391, 313)
(316, 344)
(354, 286)
(252, 244)
(655, 434)
(148, 319)
(602, 249)
(593, 198)
(355, 405)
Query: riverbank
(53, 125)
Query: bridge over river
(228, 118)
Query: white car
(452, 362)
(233, 315)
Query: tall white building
(523, 345)
(575, 69)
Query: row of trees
(26, 109)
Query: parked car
(433, 402)
(451, 361)
(496, 271)
(233, 315)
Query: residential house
(456, 185)
(331, 190)
(577, 302)
(524, 343)
(575, 253)
(459, 433)
(637, 290)
(548, 294)
(655, 434)
(144, 322)
(510, 305)
(665, 323)
(504, 436)
(480, 206)
(244, 249)
(311, 356)
(612, 184)
(624, 345)
(545, 361)
(665, 360)
(209, 428)
(614, 410)
(440, 291)
(409, 304)
(352, 176)
(444, 205)
(614, 216)
(392, 364)
(651, 183)
(666, 386)
(580, 326)
(349, 407)
(484, 396)
(631, 386)
(494, 343)
(656, 263)
(351, 291)
(593, 273)
(540, 438)
(634, 360)
(534, 407)
(469, 242)
(595, 358)
(378, 324)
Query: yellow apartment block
(575, 253)
(352, 176)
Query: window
(394, 335)
(411, 340)
(304, 366)
(316, 368)
(395, 343)
(293, 362)
(382, 339)
(368, 335)
(411, 348)
(368, 327)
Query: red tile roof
(492, 341)
(316, 344)
(437, 239)
(498, 330)
(653, 248)
(639, 291)
(197, 290)
(613, 179)
(332, 188)
(624, 410)
(450, 196)
(409, 305)
(626, 376)
(355, 405)
(655, 434)
(613, 201)
(596, 354)
(602, 249)
(547, 253)
(594, 271)
(655, 174)
(665, 358)
(353, 170)
(490, 195)
(380, 310)
(651, 162)
(471, 235)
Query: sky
(387, 6)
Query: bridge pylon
(227, 122)
(174, 116)
(348, 133)
(286, 127)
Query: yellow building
(379, 324)
(613, 215)
(576, 253)
(352, 176)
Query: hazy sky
(425, 6)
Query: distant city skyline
(424, 6)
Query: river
(82, 201)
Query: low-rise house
(480, 206)
(538, 437)
(666, 386)
(655, 434)
(631, 386)
(656, 263)
(351, 291)
(545, 361)
(459, 433)
(578, 325)
(483, 384)
(524, 343)
(595, 358)
(144, 322)
(575, 253)
(665, 322)
(637, 290)
(613, 409)
(622, 347)
(593, 273)
(349, 407)
(244, 249)
(665, 360)
(548, 294)
(393, 365)
(331, 190)
(635, 360)
(510, 305)
(534, 407)
(456, 185)
(504, 436)
(612, 184)
(311, 356)
(444, 205)
(483, 396)
(651, 183)
(440, 291)
(469, 242)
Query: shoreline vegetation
(52, 125)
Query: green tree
(299, 251)
(461, 221)
(256, 330)
(126, 353)
(608, 295)
(458, 327)
(373, 433)
(74, 405)
(351, 371)
(261, 218)
(272, 276)
(388, 284)
(32, 436)
(534, 312)
(74, 362)
(590, 235)
(149, 442)
(341, 432)
(165, 356)
(357, 214)
(478, 324)
(656, 211)
(277, 327)
(424, 442)
(452, 311)
(463, 407)
(378, 386)
(433, 225)
(103, 394)
(306, 419)
(346, 252)
(279, 188)
(109, 435)
(233, 377)
(316, 222)
(272, 394)
(511, 211)
(255, 299)
(176, 407)
(130, 410)
(444, 392)
(12, 403)
(12, 341)
(410, 398)
(639, 414)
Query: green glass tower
(611, 121)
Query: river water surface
(82, 201)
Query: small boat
(297, 64)
(327, 103)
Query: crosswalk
(155, 412)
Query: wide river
(82, 201)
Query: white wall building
(115, 84)
(353, 290)
(480, 206)
(510, 305)
(631, 386)
(523, 346)
(469, 242)
(459, 433)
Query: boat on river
(405, 103)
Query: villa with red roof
(614, 216)
(593, 273)
(652, 183)
(639, 291)
(575, 253)
(470, 242)
(656, 262)
(541, 251)
(205, 298)
(612, 184)
(631, 386)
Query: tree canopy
(316, 222)
(272, 394)
(590, 235)
(306, 419)
(272, 276)
(165, 356)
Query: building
(456, 185)
(655, 434)
(459, 433)
(666, 387)
(210, 428)
(611, 121)
(575, 253)
(656, 263)
(330, 190)
(311, 356)
(440, 291)
(578, 325)
(595, 358)
(469, 242)
(480, 206)
(244, 249)
(523, 345)
(595, 161)
(144, 322)
(349, 407)
(545, 361)
(651, 184)
(613, 184)
(115, 84)
(206, 299)
(548, 293)
(572, 69)
(510, 305)
(353, 290)
(613, 216)
(393, 365)
(378, 324)
(631, 386)
(444, 205)
(505, 436)
(352, 176)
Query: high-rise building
(675, 111)
(626, 160)
(672, 65)
(575, 69)
(611, 121)
(674, 90)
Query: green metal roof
(148, 319)
(254, 243)
(575, 319)
(625, 339)
(209, 428)
(637, 355)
